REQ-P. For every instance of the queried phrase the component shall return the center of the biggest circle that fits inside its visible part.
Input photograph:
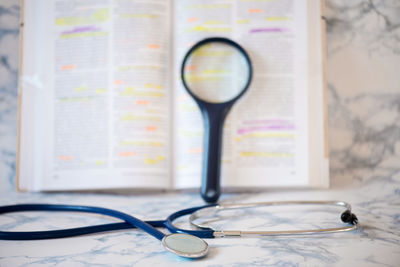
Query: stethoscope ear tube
(180, 242)
(129, 222)
(206, 232)
(211, 211)
(71, 232)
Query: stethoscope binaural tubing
(346, 217)
(130, 222)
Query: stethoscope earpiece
(348, 217)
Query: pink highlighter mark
(260, 30)
(81, 29)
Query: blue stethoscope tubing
(129, 222)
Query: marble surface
(363, 62)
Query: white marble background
(9, 43)
(363, 73)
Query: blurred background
(363, 63)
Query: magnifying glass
(215, 72)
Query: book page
(103, 108)
(265, 139)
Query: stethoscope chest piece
(185, 245)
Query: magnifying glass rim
(215, 40)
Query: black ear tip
(349, 217)
(345, 216)
(354, 219)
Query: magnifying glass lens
(216, 72)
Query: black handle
(214, 117)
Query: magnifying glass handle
(213, 129)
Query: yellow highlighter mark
(211, 53)
(84, 34)
(198, 78)
(210, 29)
(101, 15)
(215, 71)
(99, 162)
(263, 135)
(131, 91)
(149, 94)
(152, 85)
(152, 161)
(283, 18)
(187, 107)
(243, 21)
(81, 89)
(101, 90)
(214, 22)
(128, 91)
(75, 99)
(125, 68)
(152, 111)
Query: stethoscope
(182, 242)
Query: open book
(102, 105)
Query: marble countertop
(375, 243)
(363, 62)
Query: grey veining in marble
(363, 50)
(374, 23)
(9, 38)
(363, 63)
